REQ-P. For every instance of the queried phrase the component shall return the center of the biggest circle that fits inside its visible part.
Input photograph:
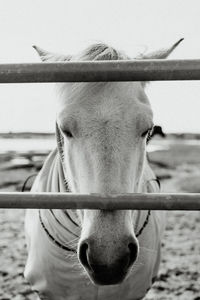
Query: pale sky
(68, 26)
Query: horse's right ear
(51, 57)
(160, 54)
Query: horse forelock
(100, 51)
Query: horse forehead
(121, 92)
(107, 101)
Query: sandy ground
(179, 276)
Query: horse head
(104, 129)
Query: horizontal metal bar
(96, 201)
(93, 71)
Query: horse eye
(148, 134)
(144, 133)
(68, 133)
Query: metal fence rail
(135, 70)
(91, 71)
(95, 201)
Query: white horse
(102, 131)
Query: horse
(102, 129)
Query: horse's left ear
(160, 54)
(51, 57)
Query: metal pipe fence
(136, 201)
(93, 71)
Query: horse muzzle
(104, 268)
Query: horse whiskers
(136, 266)
(71, 255)
(148, 249)
(73, 242)
(83, 272)
(77, 267)
(75, 239)
(72, 246)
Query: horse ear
(160, 54)
(51, 57)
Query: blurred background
(28, 111)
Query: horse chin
(107, 278)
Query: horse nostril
(133, 247)
(83, 257)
